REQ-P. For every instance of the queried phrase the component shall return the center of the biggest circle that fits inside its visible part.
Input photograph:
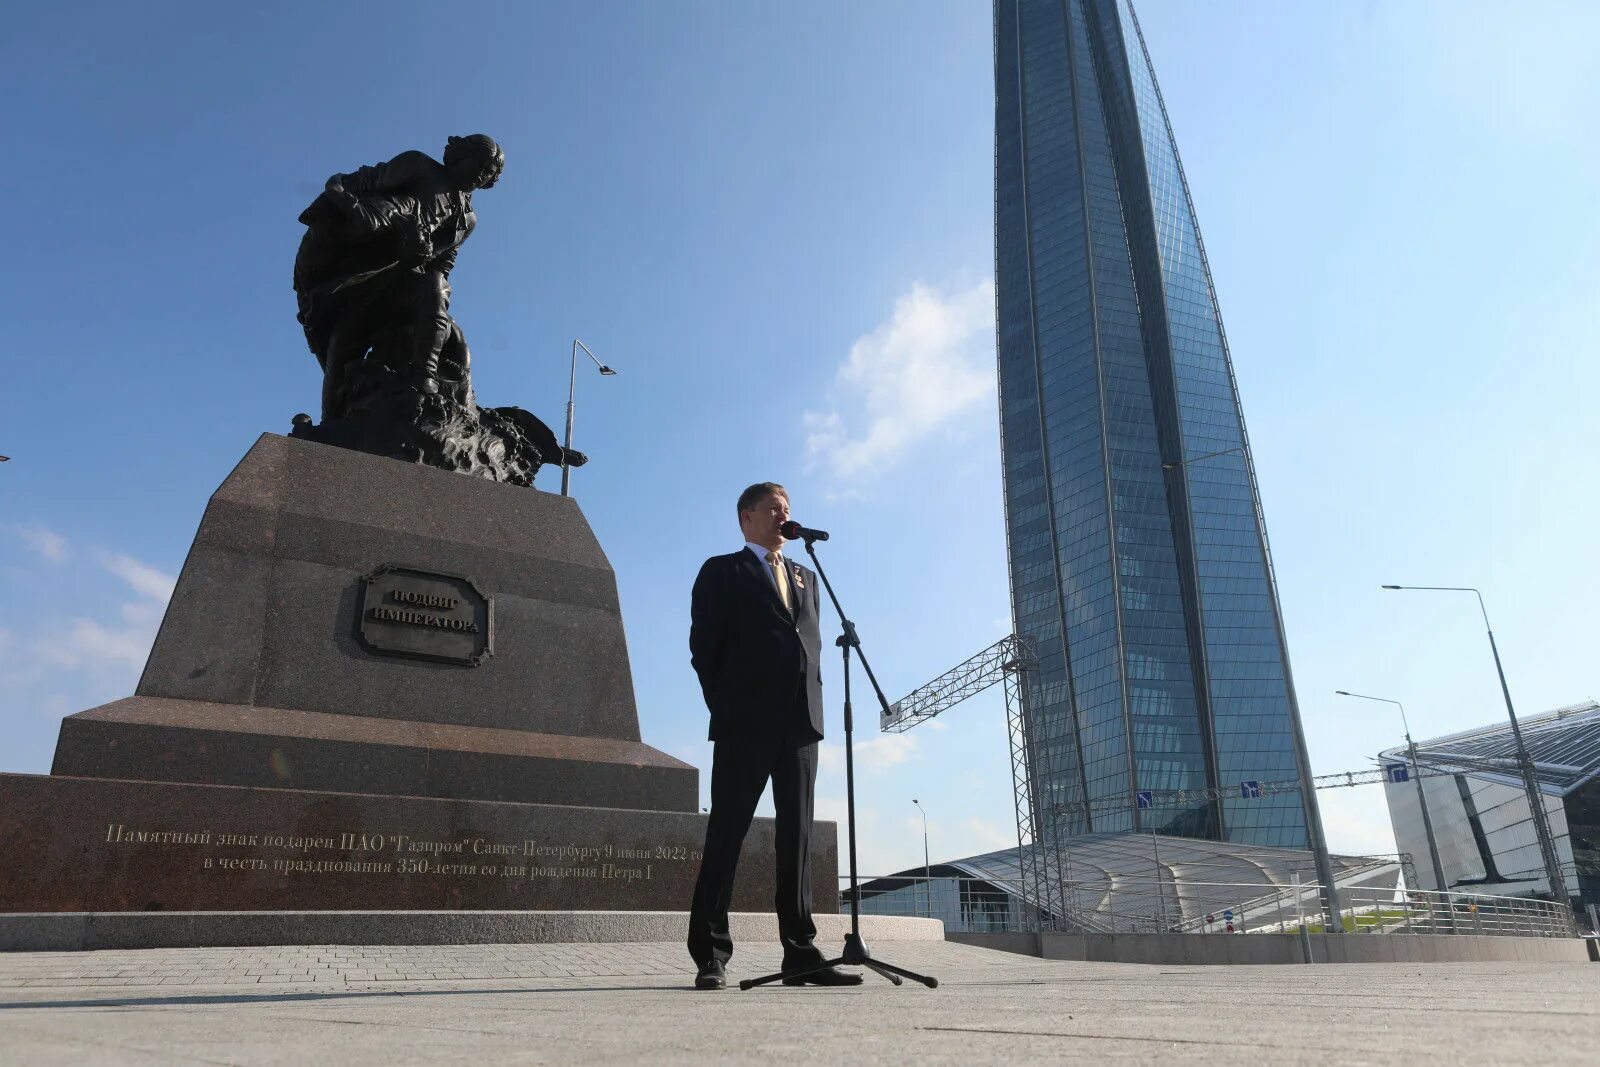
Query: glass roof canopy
(1112, 876)
(1564, 745)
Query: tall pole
(1530, 784)
(1422, 799)
(927, 877)
(1161, 897)
(566, 442)
(572, 390)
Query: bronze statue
(372, 279)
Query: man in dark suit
(755, 643)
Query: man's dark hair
(759, 492)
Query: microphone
(794, 532)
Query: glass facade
(1478, 804)
(964, 904)
(1139, 563)
(1486, 837)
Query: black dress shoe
(826, 976)
(711, 975)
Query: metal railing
(1420, 911)
(975, 905)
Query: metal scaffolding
(1044, 865)
(966, 679)
(1011, 661)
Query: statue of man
(376, 260)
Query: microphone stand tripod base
(855, 955)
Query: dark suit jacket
(752, 656)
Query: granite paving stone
(632, 1003)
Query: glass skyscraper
(1139, 563)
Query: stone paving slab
(357, 1005)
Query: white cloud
(106, 647)
(891, 843)
(931, 362)
(88, 641)
(145, 579)
(1355, 821)
(877, 754)
(49, 544)
(987, 835)
(830, 809)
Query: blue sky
(776, 222)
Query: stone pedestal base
(96, 845)
(199, 742)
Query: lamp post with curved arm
(1416, 773)
(572, 390)
(927, 877)
(1541, 824)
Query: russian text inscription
(423, 615)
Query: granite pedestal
(263, 640)
(378, 685)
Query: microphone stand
(855, 949)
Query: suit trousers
(740, 768)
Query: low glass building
(1130, 883)
(1479, 806)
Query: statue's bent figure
(372, 279)
(374, 265)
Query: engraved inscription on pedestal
(424, 615)
(81, 844)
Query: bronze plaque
(423, 615)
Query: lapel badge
(799, 577)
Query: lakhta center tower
(1140, 571)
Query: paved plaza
(624, 1003)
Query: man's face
(476, 171)
(760, 523)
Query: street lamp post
(1541, 825)
(1332, 921)
(572, 390)
(1422, 799)
(927, 877)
